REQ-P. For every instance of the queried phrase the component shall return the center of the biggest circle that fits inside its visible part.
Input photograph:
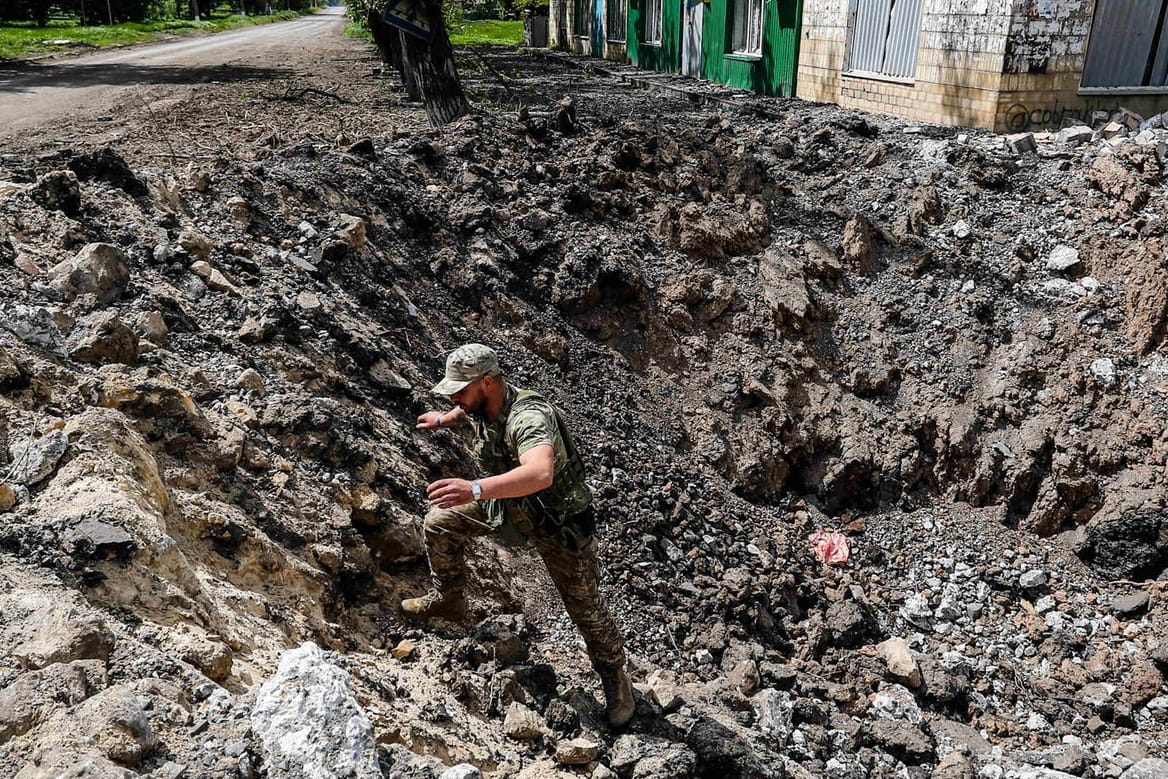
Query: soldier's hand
(430, 420)
(448, 493)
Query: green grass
(20, 39)
(484, 31)
(358, 30)
(464, 33)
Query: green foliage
(358, 30)
(462, 20)
(531, 7)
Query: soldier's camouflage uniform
(559, 521)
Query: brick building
(1006, 65)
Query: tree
(426, 67)
(40, 12)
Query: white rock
(309, 723)
(895, 702)
(33, 461)
(523, 724)
(1063, 288)
(917, 611)
(578, 751)
(1148, 768)
(774, 710)
(899, 661)
(663, 687)
(461, 771)
(1103, 369)
(1112, 130)
(33, 325)
(1076, 135)
(1063, 259)
(1032, 578)
(99, 268)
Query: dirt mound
(760, 328)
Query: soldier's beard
(476, 407)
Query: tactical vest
(560, 510)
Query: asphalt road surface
(45, 97)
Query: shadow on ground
(24, 77)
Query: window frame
(647, 17)
(754, 11)
(582, 19)
(858, 33)
(622, 28)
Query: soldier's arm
(433, 419)
(536, 471)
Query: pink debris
(830, 546)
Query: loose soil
(763, 318)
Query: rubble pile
(762, 322)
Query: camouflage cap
(466, 364)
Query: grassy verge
(476, 33)
(358, 30)
(487, 31)
(20, 39)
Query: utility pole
(109, 9)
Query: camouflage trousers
(576, 574)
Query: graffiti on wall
(1020, 117)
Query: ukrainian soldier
(533, 479)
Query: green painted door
(739, 51)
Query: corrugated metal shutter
(884, 36)
(904, 33)
(1120, 50)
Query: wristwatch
(476, 489)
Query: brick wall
(1043, 65)
(1048, 36)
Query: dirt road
(48, 97)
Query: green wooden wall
(667, 56)
(771, 74)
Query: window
(616, 12)
(582, 18)
(1128, 45)
(883, 37)
(746, 30)
(653, 21)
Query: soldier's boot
(435, 603)
(618, 696)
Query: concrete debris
(308, 722)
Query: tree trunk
(432, 68)
(389, 44)
(40, 13)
